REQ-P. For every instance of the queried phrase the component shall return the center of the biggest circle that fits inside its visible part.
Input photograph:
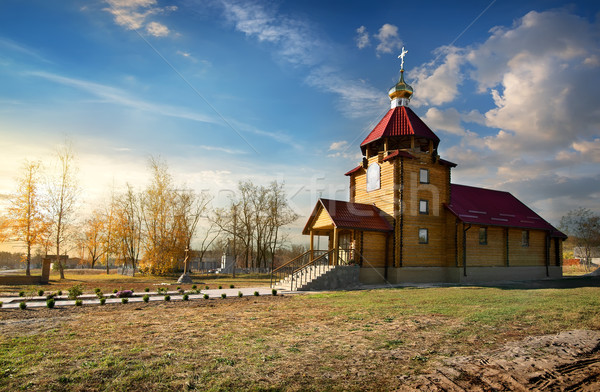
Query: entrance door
(345, 249)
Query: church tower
(403, 175)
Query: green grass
(335, 341)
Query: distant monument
(227, 261)
(185, 277)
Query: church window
(525, 238)
(424, 176)
(483, 236)
(423, 236)
(373, 177)
(424, 207)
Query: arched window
(373, 177)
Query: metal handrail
(300, 271)
(289, 267)
(303, 273)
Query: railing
(302, 269)
(310, 270)
(288, 268)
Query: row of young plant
(77, 290)
(51, 302)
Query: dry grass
(350, 341)
(92, 279)
(576, 270)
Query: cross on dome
(402, 54)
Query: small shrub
(124, 293)
(194, 287)
(23, 305)
(50, 296)
(75, 291)
(240, 294)
(124, 300)
(147, 289)
(178, 288)
(181, 291)
(185, 297)
(220, 287)
(206, 288)
(223, 295)
(59, 292)
(97, 290)
(167, 297)
(50, 303)
(146, 298)
(205, 296)
(231, 286)
(115, 291)
(256, 294)
(102, 301)
(274, 291)
(40, 292)
(78, 302)
(1, 303)
(21, 293)
(100, 295)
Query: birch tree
(63, 190)
(128, 227)
(92, 236)
(25, 211)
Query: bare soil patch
(568, 361)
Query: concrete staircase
(321, 278)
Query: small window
(423, 236)
(525, 238)
(483, 236)
(424, 176)
(424, 207)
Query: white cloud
(357, 99)
(362, 37)
(388, 39)
(157, 29)
(337, 146)
(293, 38)
(118, 96)
(133, 15)
(444, 120)
(438, 84)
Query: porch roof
(346, 215)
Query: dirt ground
(568, 361)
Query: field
(387, 339)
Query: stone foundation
(456, 275)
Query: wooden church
(406, 221)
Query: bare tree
(108, 235)
(62, 197)
(583, 228)
(128, 220)
(255, 218)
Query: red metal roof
(400, 121)
(357, 168)
(346, 215)
(398, 153)
(489, 207)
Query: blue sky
(280, 90)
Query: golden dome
(401, 89)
